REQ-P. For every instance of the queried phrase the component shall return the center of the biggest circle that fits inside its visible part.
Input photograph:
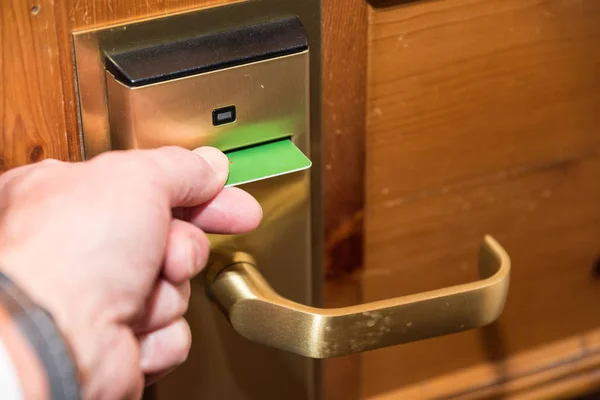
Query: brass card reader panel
(246, 78)
(177, 93)
(233, 89)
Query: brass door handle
(257, 312)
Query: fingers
(231, 211)
(165, 349)
(186, 255)
(187, 252)
(187, 178)
(190, 178)
(126, 377)
(194, 181)
(166, 304)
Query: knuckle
(47, 162)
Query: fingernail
(146, 351)
(217, 160)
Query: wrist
(36, 327)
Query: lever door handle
(257, 312)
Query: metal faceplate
(271, 100)
(288, 244)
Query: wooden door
(482, 116)
(444, 120)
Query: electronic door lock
(243, 90)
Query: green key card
(265, 161)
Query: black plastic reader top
(180, 57)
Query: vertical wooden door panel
(482, 118)
(462, 89)
(32, 123)
(345, 24)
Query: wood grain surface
(32, 123)
(345, 24)
(564, 369)
(483, 118)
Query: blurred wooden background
(444, 120)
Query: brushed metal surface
(223, 364)
(271, 100)
(257, 312)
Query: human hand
(97, 245)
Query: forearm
(34, 361)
